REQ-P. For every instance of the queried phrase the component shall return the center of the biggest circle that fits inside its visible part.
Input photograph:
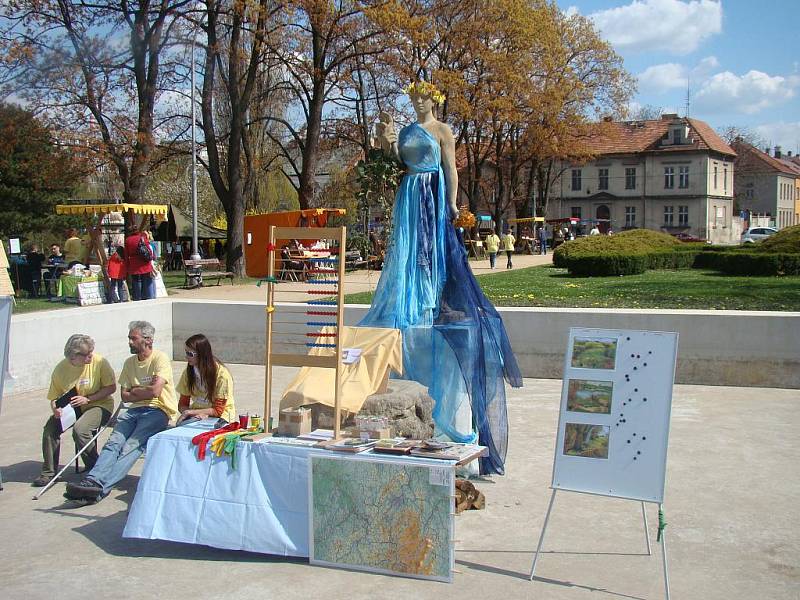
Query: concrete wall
(735, 348)
(37, 339)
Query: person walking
(139, 257)
(492, 246)
(117, 271)
(542, 241)
(508, 247)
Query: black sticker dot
(645, 399)
(634, 435)
(638, 452)
(637, 356)
(632, 355)
(629, 441)
(628, 339)
(634, 368)
(624, 421)
(634, 458)
(649, 351)
(644, 438)
(635, 389)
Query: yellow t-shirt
(223, 388)
(136, 372)
(87, 379)
(508, 242)
(492, 243)
(73, 249)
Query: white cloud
(783, 134)
(675, 26)
(748, 94)
(661, 78)
(705, 67)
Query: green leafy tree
(378, 177)
(34, 175)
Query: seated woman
(93, 379)
(205, 387)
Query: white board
(91, 292)
(616, 401)
(158, 282)
(6, 303)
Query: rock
(406, 404)
(408, 407)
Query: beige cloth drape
(381, 349)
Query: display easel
(321, 305)
(613, 427)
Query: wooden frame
(334, 361)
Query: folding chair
(112, 421)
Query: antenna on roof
(688, 96)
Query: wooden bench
(202, 269)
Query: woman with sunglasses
(206, 386)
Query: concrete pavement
(730, 505)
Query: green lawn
(691, 288)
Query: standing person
(508, 246)
(594, 230)
(93, 379)
(492, 246)
(117, 272)
(33, 272)
(139, 257)
(55, 264)
(145, 383)
(73, 248)
(206, 386)
(542, 241)
(428, 291)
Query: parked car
(685, 237)
(756, 234)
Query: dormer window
(677, 135)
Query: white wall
(736, 348)
(37, 339)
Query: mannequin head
(424, 96)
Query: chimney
(669, 116)
(777, 151)
(789, 154)
(766, 150)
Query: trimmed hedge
(627, 253)
(750, 263)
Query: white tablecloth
(261, 506)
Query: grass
(686, 289)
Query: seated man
(146, 383)
(93, 379)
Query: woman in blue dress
(454, 341)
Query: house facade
(672, 174)
(767, 185)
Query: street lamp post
(195, 251)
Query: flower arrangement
(425, 88)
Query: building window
(630, 216)
(725, 179)
(630, 178)
(576, 180)
(602, 179)
(669, 178)
(669, 215)
(715, 176)
(676, 136)
(748, 192)
(683, 215)
(683, 177)
(576, 212)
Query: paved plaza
(731, 493)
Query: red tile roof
(628, 137)
(754, 160)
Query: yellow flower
(425, 88)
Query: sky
(740, 58)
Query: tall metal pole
(195, 252)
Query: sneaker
(87, 488)
(80, 501)
(42, 480)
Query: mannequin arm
(448, 144)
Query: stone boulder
(406, 404)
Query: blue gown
(454, 341)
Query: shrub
(755, 262)
(628, 253)
(786, 241)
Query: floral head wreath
(424, 88)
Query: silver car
(756, 234)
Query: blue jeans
(543, 246)
(144, 288)
(492, 259)
(117, 291)
(126, 444)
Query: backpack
(143, 249)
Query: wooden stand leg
(664, 559)
(541, 536)
(646, 531)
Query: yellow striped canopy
(527, 220)
(90, 209)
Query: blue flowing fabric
(454, 341)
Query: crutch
(113, 419)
